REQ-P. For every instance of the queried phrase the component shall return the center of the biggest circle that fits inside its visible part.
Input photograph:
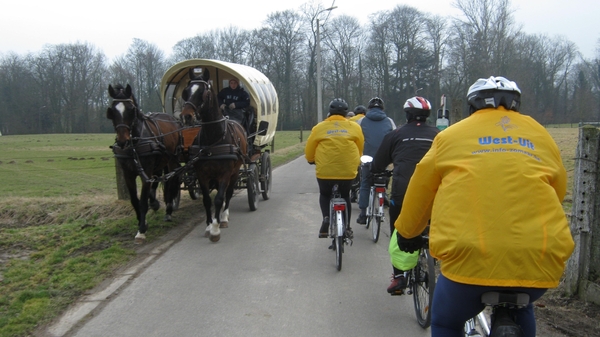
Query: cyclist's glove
(409, 245)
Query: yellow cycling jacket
(356, 117)
(335, 145)
(493, 185)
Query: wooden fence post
(584, 213)
(122, 192)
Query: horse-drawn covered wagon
(217, 153)
(225, 154)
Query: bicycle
(338, 220)
(501, 303)
(421, 283)
(355, 189)
(375, 209)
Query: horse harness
(144, 146)
(217, 150)
(214, 150)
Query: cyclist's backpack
(401, 260)
(503, 325)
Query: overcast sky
(111, 26)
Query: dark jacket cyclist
(375, 125)
(404, 147)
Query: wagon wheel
(266, 172)
(252, 184)
(194, 190)
(191, 184)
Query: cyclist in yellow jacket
(335, 146)
(359, 113)
(492, 185)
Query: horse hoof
(168, 218)
(215, 238)
(207, 233)
(224, 225)
(139, 238)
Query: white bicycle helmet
(494, 92)
(417, 108)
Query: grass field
(73, 165)
(62, 231)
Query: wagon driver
(233, 101)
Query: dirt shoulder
(559, 316)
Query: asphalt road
(269, 275)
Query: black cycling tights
(325, 186)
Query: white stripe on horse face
(194, 89)
(120, 107)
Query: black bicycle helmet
(494, 92)
(360, 110)
(338, 107)
(417, 108)
(376, 102)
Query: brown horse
(146, 146)
(218, 151)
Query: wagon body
(263, 97)
(256, 173)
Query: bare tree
(436, 36)
(283, 37)
(488, 26)
(70, 77)
(22, 108)
(232, 45)
(401, 54)
(593, 69)
(343, 38)
(146, 63)
(199, 46)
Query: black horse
(218, 152)
(146, 146)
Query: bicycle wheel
(423, 287)
(376, 228)
(370, 208)
(377, 218)
(339, 249)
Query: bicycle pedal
(397, 293)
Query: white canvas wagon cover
(263, 96)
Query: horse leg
(225, 212)
(130, 182)
(154, 203)
(219, 198)
(143, 224)
(207, 201)
(168, 198)
(171, 190)
(133, 198)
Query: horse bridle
(135, 109)
(207, 87)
